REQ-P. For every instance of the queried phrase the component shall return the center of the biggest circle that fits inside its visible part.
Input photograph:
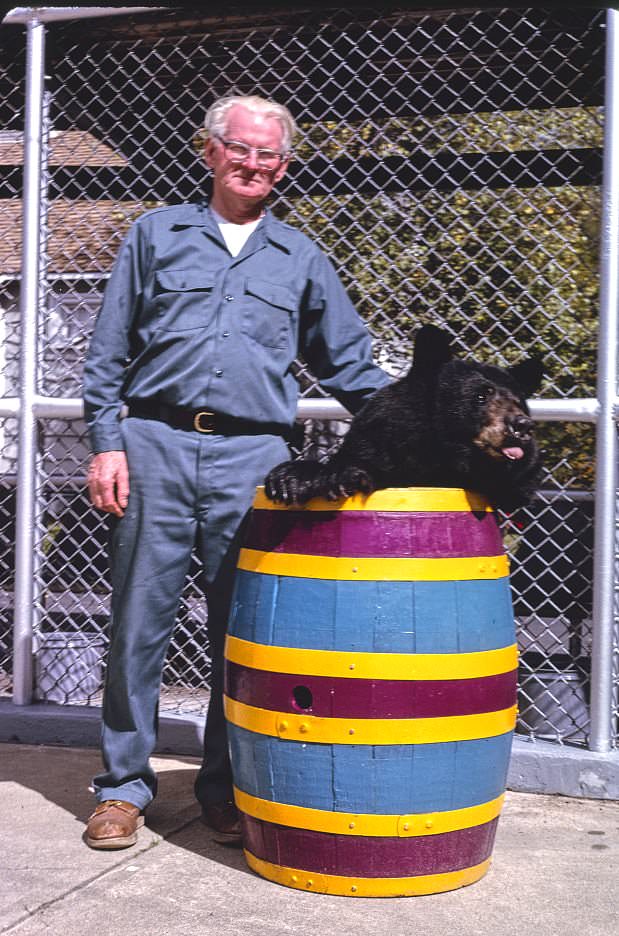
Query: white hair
(217, 115)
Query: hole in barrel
(302, 697)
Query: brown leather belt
(203, 420)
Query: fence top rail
(56, 14)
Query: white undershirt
(235, 235)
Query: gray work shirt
(186, 324)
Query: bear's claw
(345, 482)
(292, 482)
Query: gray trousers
(186, 490)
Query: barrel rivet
(294, 878)
(351, 666)
(310, 883)
(283, 725)
(351, 825)
(406, 826)
(351, 731)
(354, 889)
(355, 568)
(429, 824)
(303, 727)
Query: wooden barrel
(370, 691)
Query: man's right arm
(108, 473)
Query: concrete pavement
(555, 870)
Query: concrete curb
(535, 767)
(80, 726)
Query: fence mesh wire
(449, 163)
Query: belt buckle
(197, 421)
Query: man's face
(242, 184)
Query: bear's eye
(484, 395)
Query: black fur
(448, 423)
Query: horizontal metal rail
(552, 410)
(58, 14)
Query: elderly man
(207, 307)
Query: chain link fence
(448, 162)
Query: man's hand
(108, 482)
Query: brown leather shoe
(223, 820)
(114, 824)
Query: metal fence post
(29, 304)
(606, 447)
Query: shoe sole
(222, 838)
(225, 838)
(121, 841)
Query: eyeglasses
(238, 152)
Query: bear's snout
(507, 430)
(520, 427)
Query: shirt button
(226, 335)
(229, 298)
(218, 373)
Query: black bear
(447, 423)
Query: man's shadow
(62, 777)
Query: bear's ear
(432, 348)
(528, 375)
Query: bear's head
(476, 404)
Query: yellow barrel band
(411, 499)
(376, 731)
(358, 665)
(401, 569)
(323, 820)
(366, 887)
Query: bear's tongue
(514, 452)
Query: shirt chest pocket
(269, 312)
(183, 299)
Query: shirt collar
(274, 231)
(194, 214)
(199, 215)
